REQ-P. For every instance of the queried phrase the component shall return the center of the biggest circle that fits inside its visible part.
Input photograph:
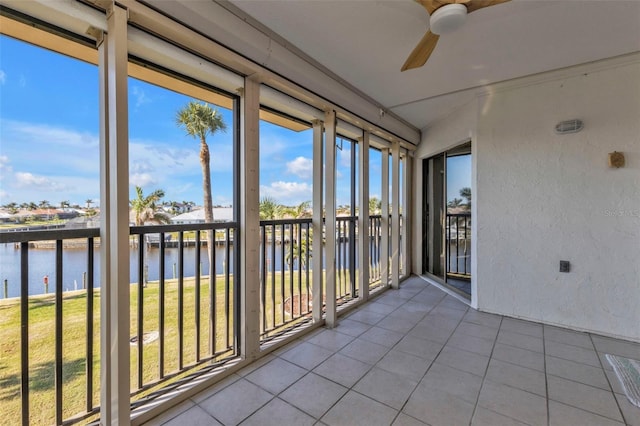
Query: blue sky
(49, 139)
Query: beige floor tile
(342, 369)
(331, 340)
(484, 417)
(170, 413)
(572, 353)
(513, 403)
(432, 332)
(400, 324)
(313, 394)
(215, 388)
(364, 351)
(256, 364)
(279, 413)
(355, 409)
(460, 384)
(463, 360)
(521, 341)
(194, 416)
(613, 380)
(585, 397)
(276, 376)
(406, 420)
(453, 303)
(379, 308)
(426, 349)
(476, 330)
(351, 327)
(616, 347)
(236, 402)
(389, 388)
(446, 311)
(583, 373)
(438, 408)
(562, 415)
(366, 317)
(404, 364)
(476, 345)
(630, 412)
(482, 318)
(522, 327)
(521, 357)
(518, 377)
(306, 355)
(568, 337)
(382, 336)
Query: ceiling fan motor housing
(447, 18)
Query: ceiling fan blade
(433, 5)
(421, 52)
(474, 5)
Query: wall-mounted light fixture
(569, 126)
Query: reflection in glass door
(446, 218)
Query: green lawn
(42, 340)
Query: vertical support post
(352, 224)
(384, 221)
(250, 219)
(363, 217)
(395, 215)
(317, 222)
(330, 221)
(406, 212)
(114, 226)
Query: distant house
(220, 214)
(6, 217)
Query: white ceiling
(365, 42)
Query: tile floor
(417, 356)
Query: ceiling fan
(445, 16)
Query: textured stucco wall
(541, 197)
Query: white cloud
(29, 180)
(301, 167)
(5, 167)
(140, 97)
(142, 179)
(3, 77)
(23, 81)
(17, 131)
(288, 193)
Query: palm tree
(375, 206)
(89, 201)
(270, 209)
(12, 207)
(299, 250)
(64, 204)
(201, 120)
(300, 211)
(44, 204)
(466, 194)
(145, 207)
(456, 202)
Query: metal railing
(375, 241)
(458, 246)
(183, 312)
(346, 255)
(178, 324)
(285, 281)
